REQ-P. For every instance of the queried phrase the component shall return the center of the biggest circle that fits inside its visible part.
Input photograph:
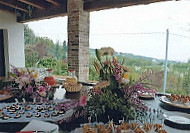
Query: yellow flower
(35, 75)
(106, 51)
(115, 58)
(125, 76)
(31, 71)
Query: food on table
(21, 112)
(13, 106)
(54, 114)
(46, 115)
(109, 127)
(133, 126)
(14, 112)
(28, 108)
(40, 108)
(36, 111)
(37, 115)
(188, 97)
(20, 103)
(29, 115)
(61, 112)
(139, 130)
(147, 127)
(157, 127)
(186, 101)
(123, 126)
(6, 117)
(11, 110)
(1, 111)
(43, 111)
(7, 107)
(47, 106)
(40, 103)
(88, 129)
(17, 107)
(17, 116)
(177, 98)
(180, 100)
(162, 131)
(50, 108)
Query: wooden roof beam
(13, 5)
(33, 3)
(53, 2)
(45, 14)
(90, 5)
(7, 9)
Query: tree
(29, 36)
(64, 50)
(57, 54)
(40, 49)
(186, 82)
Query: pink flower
(41, 88)
(29, 89)
(42, 93)
(83, 100)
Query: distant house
(11, 42)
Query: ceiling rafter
(14, 5)
(95, 5)
(33, 3)
(47, 13)
(7, 9)
(53, 2)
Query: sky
(140, 30)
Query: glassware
(49, 78)
(71, 78)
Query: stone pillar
(78, 39)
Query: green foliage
(64, 50)
(41, 51)
(57, 65)
(57, 50)
(110, 104)
(93, 74)
(29, 36)
(47, 62)
(31, 59)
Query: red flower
(83, 100)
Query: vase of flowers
(116, 96)
(27, 86)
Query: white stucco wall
(15, 39)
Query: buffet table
(60, 94)
(169, 111)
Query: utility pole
(166, 62)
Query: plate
(147, 96)
(178, 122)
(4, 95)
(163, 99)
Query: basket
(72, 88)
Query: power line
(116, 34)
(142, 33)
(132, 33)
(180, 35)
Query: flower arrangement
(26, 85)
(117, 95)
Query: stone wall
(78, 39)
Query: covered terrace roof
(29, 10)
